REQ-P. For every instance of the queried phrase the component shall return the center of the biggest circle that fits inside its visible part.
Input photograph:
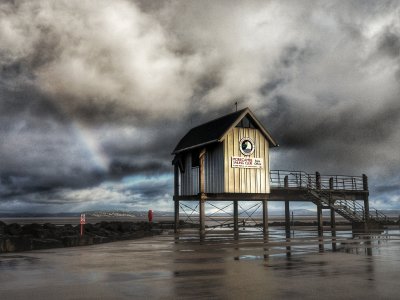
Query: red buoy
(150, 215)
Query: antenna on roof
(236, 105)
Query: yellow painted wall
(240, 180)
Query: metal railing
(321, 188)
(294, 178)
(343, 182)
(335, 182)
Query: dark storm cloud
(119, 169)
(390, 44)
(302, 126)
(389, 189)
(94, 91)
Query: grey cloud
(119, 169)
(390, 189)
(389, 43)
(93, 91)
(151, 189)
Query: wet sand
(220, 267)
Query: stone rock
(13, 229)
(35, 230)
(2, 228)
(36, 236)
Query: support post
(318, 180)
(333, 229)
(366, 201)
(287, 216)
(365, 182)
(286, 181)
(265, 216)
(333, 217)
(176, 216)
(202, 218)
(331, 183)
(176, 193)
(287, 219)
(287, 227)
(202, 177)
(235, 217)
(320, 226)
(202, 188)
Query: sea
(221, 265)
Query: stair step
(353, 211)
(340, 207)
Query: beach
(181, 266)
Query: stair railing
(303, 180)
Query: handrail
(338, 182)
(322, 192)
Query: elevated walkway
(338, 192)
(346, 196)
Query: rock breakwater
(15, 237)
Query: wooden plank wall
(189, 178)
(238, 180)
(214, 169)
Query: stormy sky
(94, 95)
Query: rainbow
(89, 142)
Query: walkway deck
(345, 195)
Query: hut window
(195, 158)
(246, 122)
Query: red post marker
(150, 215)
(83, 222)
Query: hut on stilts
(227, 159)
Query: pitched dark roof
(214, 130)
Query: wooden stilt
(366, 201)
(333, 217)
(202, 218)
(318, 180)
(320, 226)
(176, 193)
(333, 229)
(287, 211)
(287, 216)
(319, 213)
(287, 227)
(265, 216)
(202, 175)
(176, 216)
(235, 216)
(202, 188)
(287, 219)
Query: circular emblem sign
(247, 146)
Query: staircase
(320, 194)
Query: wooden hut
(223, 159)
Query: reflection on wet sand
(219, 266)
